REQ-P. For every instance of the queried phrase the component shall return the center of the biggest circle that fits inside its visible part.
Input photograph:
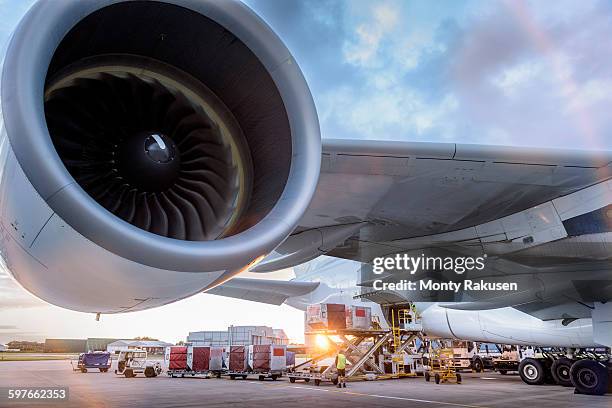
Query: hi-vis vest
(341, 361)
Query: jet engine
(150, 149)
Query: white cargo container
(267, 358)
(359, 317)
(217, 359)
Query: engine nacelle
(504, 326)
(150, 150)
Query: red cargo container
(201, 358)
(178, 358)
(238, 359)
(261, 358)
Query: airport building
(239, 335)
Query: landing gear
(560, 371)
(532, 371)
(590, 377)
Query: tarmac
(94, 389)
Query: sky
(528, 73)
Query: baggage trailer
(193, 360)
(98, 359)
(317, 378)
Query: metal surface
(28, 57)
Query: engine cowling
(151, 150)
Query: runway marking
(359, 394)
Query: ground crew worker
(341, 367)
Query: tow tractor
(134, 362)
(508, 361)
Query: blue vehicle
(97, 359)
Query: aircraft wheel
(560, 371)
(589, 377)
(532, 371)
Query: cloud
(363, 51)
(537, 74)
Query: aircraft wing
(273, 292)
(389, 197)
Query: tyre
(437, 378)
(232, 377)
(306, 379)
(458, 378)
(149, 372)
(477, 365)
(261, 378)
(589, 377)
(560, 371)
(317, 382)
(83, 370)
(427, 376)
(291, 380)
(532, 371)
(502, 372)
(274, 377)
(128, 373)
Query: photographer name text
(449, 286)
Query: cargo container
(238, 358)
(267, 360)
(290, 359)
(194, 360)
(198, 358)
(176, 357)
(217, 359)
(358, 317)
(326, 316)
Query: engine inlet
(152, 145)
